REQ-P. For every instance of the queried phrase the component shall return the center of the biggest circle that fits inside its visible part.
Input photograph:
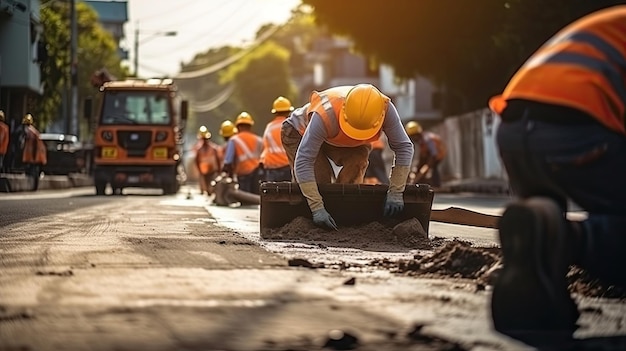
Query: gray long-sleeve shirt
(315, 135)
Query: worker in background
(227, 130)
(340, 124)
(4, 139)
(562, 137)
(376, 172)
(429, 152)
(243, 155)
(34, 152)
(207, 160)
(274, 158)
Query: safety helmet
(363, 112)
(413, 128)
(228, 129)
(28, 119)
(281, 104)
(203, 133)
(1, 115)
(244, 118)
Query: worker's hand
(394, 204)
(322, 218)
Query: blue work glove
(322, 218)
(394, 204)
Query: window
(144, 108)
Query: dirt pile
(374, 236)
(438, 257)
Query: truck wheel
(100, 187)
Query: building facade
(20, 55)
(113, 15)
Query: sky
(199, 25)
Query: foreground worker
(207, 160)
(562, 137)
(4, 139)
(340, 124)
(274, 157)
(429, 152)
(243, 155)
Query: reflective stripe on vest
(602, 67)
(247, 159)
(274, 155)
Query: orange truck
(138, 136)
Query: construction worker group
(338, 136)
(22, 149)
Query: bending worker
(563, 137)
(207, 160)
(340, 124)
(274, 158)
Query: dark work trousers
(376, 167)
(282, 174)
(33, 170)
(250, 182)
(559, 154)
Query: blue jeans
(584, 163)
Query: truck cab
(138, 140)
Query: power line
(227, 62)
(206, 106)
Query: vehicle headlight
(160, 136)
(107, 135)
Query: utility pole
(74, 71)
(136, 50)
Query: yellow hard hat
(413, 128)
(1, 115)
(363, 112)
(227, 129)
(202, 132)
(244, 118)
(28, 119)
(282, 104)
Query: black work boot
(530, 300)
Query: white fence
(472, 150)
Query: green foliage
(270, 73)
(260, 77)
(470, 47)
(96, 49)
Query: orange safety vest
(4, 138)
(207, 158)
(328, 105)
(34, 148)
(439, 145)
(583, 67)
(248, 148)
(274, 155)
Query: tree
(96, 50)
(470, 48)
(260, 77)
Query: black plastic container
(348, 204)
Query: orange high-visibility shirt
(583, 67)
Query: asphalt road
(143, 271)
